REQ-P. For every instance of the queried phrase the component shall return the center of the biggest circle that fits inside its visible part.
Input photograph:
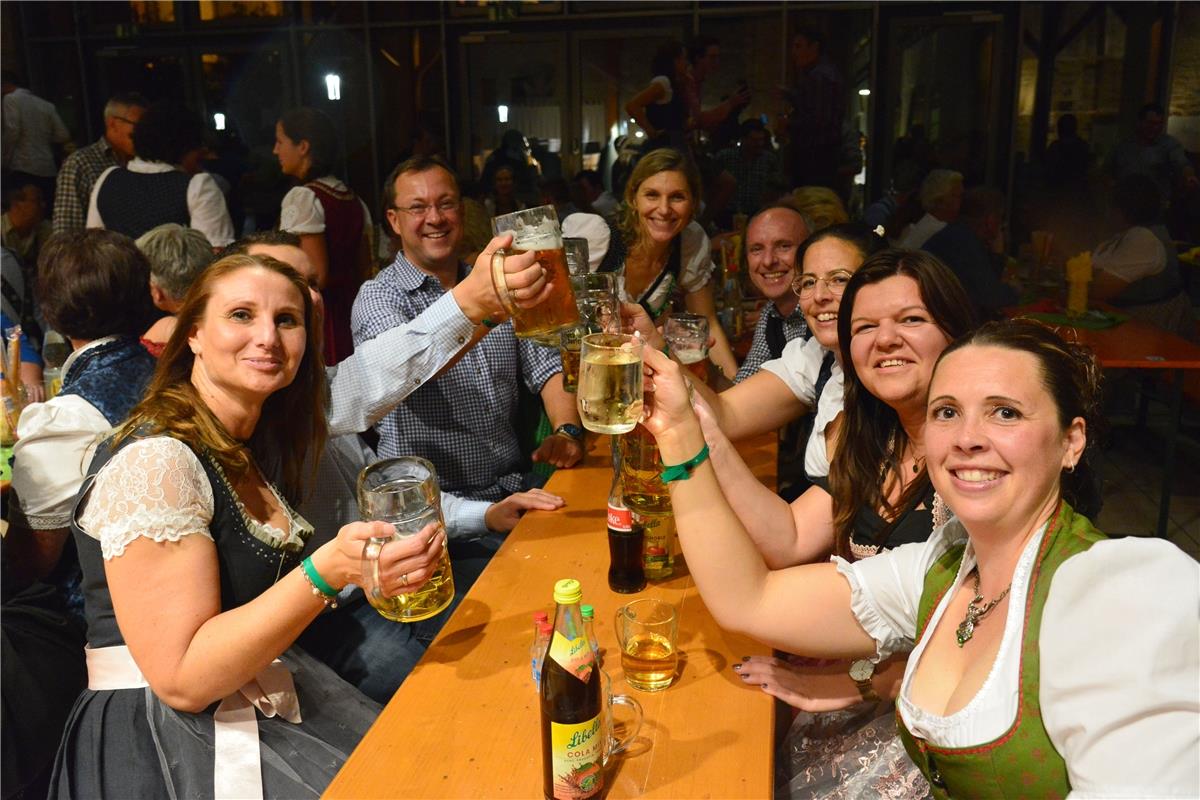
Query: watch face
(571, 430)
(862, 670)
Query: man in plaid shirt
(81, 169)
(462, 419)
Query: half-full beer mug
(536, 229)
(648, 632)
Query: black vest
(134, 202)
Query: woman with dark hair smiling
(333, 224)
(193, 575)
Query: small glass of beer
(404, 492)
(536, 229)
(687, 334)
(610, 382)
(648, 632)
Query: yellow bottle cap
(567, 591)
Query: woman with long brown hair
(193, 580)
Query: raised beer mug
(609, 396)
(648, 632)
(536, 229)
(404, 492)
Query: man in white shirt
(941, 197)
(32, 127)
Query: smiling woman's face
(664, 205)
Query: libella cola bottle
(571, 698)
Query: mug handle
(500, 282)
(614, 746)
(370, 568)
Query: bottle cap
(540, 616)
(587, 611)
(545, 628)
(567, 591)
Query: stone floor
(1131, 466)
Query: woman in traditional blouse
(192, 574)
(660, 254)
(333, 224)
(1048, 658)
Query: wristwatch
(861, 672)
(570, 431)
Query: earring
(1069, 468)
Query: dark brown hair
(418, 163)
(1071, 376)
(872, 441)
(292, 420)
(315, 127)
(94, 283)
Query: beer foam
(537, 240)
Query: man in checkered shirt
(462, 419)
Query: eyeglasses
(421, 209)
(126, 120)
(835, 282)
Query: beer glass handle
(500, 282)
(618, 627)
(616, 745)
(370, 569)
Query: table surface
(466, 721)
(1138, 345)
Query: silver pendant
(965, 631)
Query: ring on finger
(404, 579)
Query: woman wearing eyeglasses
(332, 222)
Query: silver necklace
(976, 612)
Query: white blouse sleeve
(885, 589)
(696, 253)
(1137, 254)
(301, 212)
(799, 366)
(1120, 670)
(154, 488)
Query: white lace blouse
(1120, 658)
(157, 488)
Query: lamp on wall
(333, 86)
(219, 121)
(502, 113)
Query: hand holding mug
(668, 395)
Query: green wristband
(487, 323)
(681, 472)
(315, 578)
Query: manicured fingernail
(745, 658)
(737, 667)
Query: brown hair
(664, 159)
(1072, 377)
(292, 421)
(871, 441)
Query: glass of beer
(596, 299)
(609, 396)
(576, 250)
(404, 492)
(687, 335)
(536, 229)
(648, 632)
(569, 345)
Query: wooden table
(466, 721)
(1139, 345)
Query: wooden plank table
(1139, 345)
(466, 721)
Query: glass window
(409, 98)
(45, 19)
(240, 10)
(332, 12)
(153, 12)
(158, 76)
(1184, 120)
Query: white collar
(66, 367)
(149, 167)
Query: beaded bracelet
(320, 588)
(681, 472)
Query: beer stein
(648, 633)
(576, 250)
(596, 299)
(536, 229)
(609, 396)
(612, 744)
(687, 335)
(403, 492)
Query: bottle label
(573, 655)
(620, 519)
(576, 751)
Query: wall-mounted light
(502, 113)
(639, 135)
(333, 86)
(219, 121)
(864, 92)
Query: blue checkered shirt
(794, 327)
(462, 421)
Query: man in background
(32, 129)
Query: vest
(111, 376)
(134, 202)
(1022, 762)
(614, 261)
(344, 225)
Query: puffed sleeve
(696, 253)
(799, 366)
(301, 212)
(885, 589)
(154, 488)
(1120, 670)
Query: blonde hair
(292, 420)
(664, 159)
(820, 206)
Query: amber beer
(537, 230)
(648, 632)
(569, 351)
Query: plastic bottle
(589, 628)
(571, 703)
(537, 650)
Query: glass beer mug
(648, 632)
(536, 229)
(403, 492)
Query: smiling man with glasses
(83, 167)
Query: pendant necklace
(976, 612)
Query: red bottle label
(620, 519)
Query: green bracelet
(316, 581)
(681, 472)
(487, 323)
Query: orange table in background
(466, 721)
